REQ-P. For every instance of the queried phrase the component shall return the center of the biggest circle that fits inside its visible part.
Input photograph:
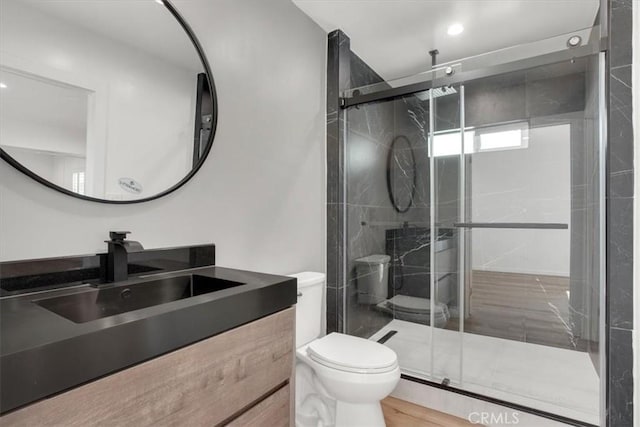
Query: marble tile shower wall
(368, 211)
(620, 215)
(371, 128)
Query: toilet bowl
(340, 378)
(416, 310)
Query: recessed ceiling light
(160, 2)
(3, 85)
(455, 29)
(574, 41)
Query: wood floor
(521, 307)
(399, 413)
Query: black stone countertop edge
(42, 354)
(33, 275)
(35, 262)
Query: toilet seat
(411, 304)
(352, 354)
(415, 309)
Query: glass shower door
(484, 198)
(528, 235)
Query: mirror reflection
(401, 174)
(105, 99)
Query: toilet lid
(352, 354)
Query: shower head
(437, 92)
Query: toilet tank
(309, 307)
(372, 278)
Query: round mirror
(106, 100)
(401, 174)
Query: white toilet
(340, 379)
(373, 273)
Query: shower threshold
(546, 379)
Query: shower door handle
(514, 225)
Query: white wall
(40, 136)
(524, 185)
(149, 101)
(42, 163)
(41, 114)
(259, 196)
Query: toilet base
(359, 415)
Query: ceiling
(394, 36)
(142, 24)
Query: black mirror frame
(415, 174)
(214, 123)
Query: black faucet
(117, 257)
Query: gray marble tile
(621, 184)
(338, 79)
(373, 122)
(620, 405)
(621, 19)
(334, 166)
(366, 171)
(620, 262)
(620, 140)
(494, 101)
(332, 314)
(620, 87)
(363, 320)
(364, 237)
(557, 95)
(337, 73)
(334, 243)
(412, 116)
(361, 73)
(338, 64)
(620, 255)
(540, 92)
(340, 308)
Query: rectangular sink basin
(96, 304)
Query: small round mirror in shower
(401, 174)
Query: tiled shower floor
(550, 379)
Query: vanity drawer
(203, 384)
(273, 411)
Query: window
(503, 137)
(490, 138)
(448, 144)
(77, 182)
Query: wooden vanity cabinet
(242, 377)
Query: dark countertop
(42, 353)
(34, 275)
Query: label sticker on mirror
(130, 185)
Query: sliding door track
(500, 402)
